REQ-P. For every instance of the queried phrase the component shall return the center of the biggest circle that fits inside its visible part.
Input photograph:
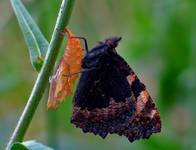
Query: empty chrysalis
(62, 80)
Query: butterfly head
(103, 49)
(112, 42)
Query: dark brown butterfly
(111, 99)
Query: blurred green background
(159, 42)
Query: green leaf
(35, 40)
(18, 146)
(29, 145)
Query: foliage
(36, 42)
(29, 145)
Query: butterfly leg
(83, 70)
(85, 42)
(78, 37)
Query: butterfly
(110, 99)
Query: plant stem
(43, 77)
(52, 125)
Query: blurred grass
(159, 42)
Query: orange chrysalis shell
(62, 81)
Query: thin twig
(43, 77)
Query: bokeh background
(159, 42)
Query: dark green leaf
(18, 146)
(29, 145)
(36, 42)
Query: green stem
(43, 77)
(52, 129)
(52, 126)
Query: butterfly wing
(111, 99)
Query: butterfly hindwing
(111, 99)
